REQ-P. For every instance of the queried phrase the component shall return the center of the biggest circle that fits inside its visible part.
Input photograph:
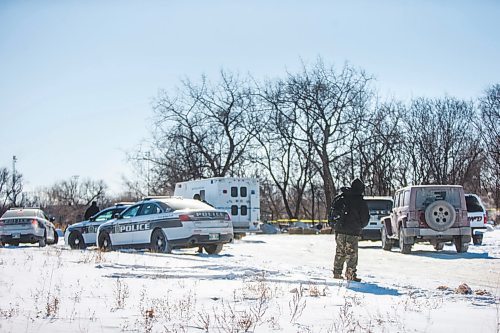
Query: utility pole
(148, 155)
(14, 160)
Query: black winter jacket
(91, 211)
(356, 214)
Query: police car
(27, 225)
(164, 223)
(82, 234)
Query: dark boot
(351, 276)
(338, 276)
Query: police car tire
(104, 242)
(56, 238)
(213, 248)
(159, 242)
(73, 236)
(42, 242)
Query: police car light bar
(162, 197)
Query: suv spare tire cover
(440, 215)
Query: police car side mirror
(52, 219)
(92, 219)
(117, 216)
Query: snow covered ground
(262, 283)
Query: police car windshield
(178, 204)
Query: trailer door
(235, 209)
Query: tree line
(303, 135)
(308, 133)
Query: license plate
(213, 236)
(16, 235)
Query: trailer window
(243, 192)
(234, 192)
(234, 210)
(243, 210)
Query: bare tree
(440, 144)
(4, 183)
(213, 125)
(11, 188)
(375, 148)
(66, 200)
(490, 129)
(73, 192)
(329, 106)
(285, 159)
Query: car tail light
(227, 217)
(465, 216)
(485, 218)
(34, 222)
(421, 219)
(185, 217)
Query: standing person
(91, 211)
(349, 215)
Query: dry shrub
(463, 289)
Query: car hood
(78, 225)
(108, 222)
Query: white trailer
(237, 196)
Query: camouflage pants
(346, 251)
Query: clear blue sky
(77, 77)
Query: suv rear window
(426, 196)
(379, 207)
(473, 205)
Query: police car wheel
(75, 240)
(159, 242)
(56, 237)
(213, 248)
(104, 242)
(42, 242)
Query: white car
(478, 218)
(27, 225)
(83, 234)
(164, 223)
(378, 207)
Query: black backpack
(337, 212)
